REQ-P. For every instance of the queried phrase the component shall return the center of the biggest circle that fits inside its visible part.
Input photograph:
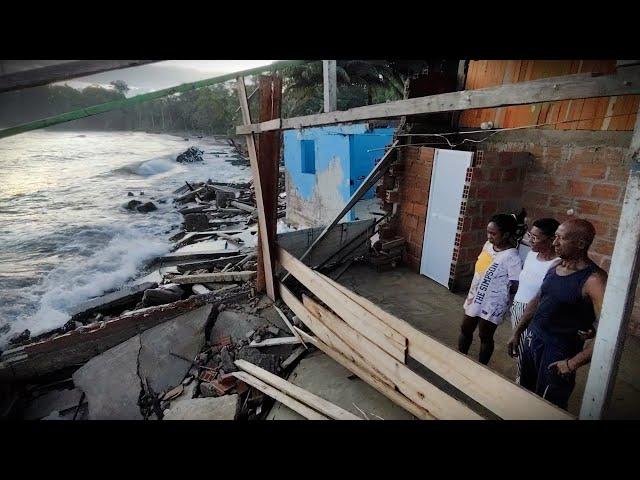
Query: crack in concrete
(142, 392)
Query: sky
(157, 76)
(147, 78)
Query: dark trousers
(537, 354)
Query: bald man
(558, 324)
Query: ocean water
(64, 234)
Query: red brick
(610, 211)
(419, 210)
(510, 174)
(427, 153)
(603, 247)
(601, 227)
(559, 202)
(537, 198)
(606, 191)
(586, 207)
(596, 171)
(579, 189)
(412, 221)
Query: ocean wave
(147, 168)
(70, 284)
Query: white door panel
(445, 196)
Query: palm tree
(303, 83)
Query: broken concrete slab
(126, 295)
(54, 401)
(209, 408)
(183, 336)
(161, 296)
(321, 375)
(235, 325)
(112, 380)
(111, 383)
(267, 361)
(80, 345)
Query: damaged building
(355, 315)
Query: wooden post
(257, 184)
(268, 152)
(330, 83)
(618, 296)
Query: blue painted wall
(348, 144)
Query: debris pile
(166, 345)
(190, 155)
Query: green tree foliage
(214, 109)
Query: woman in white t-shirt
(495, 280)
(540, 259)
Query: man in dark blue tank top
(561, 317)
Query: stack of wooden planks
(298, 399)
(375, 345)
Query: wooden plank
(145, 97)
(409, 383)
(326, 336)
(314, 401)
(619, 295)
(80, 345)
(220, 277)
(330, 85)
(495, 392)
(35, 77)
(220, 262)
(263, 228)
(389, 392)
(289, 326)
(355, 315)
(270, 342)
(243, 206)
(268, 151)
(293, 404)
(587, 85)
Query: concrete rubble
(156, 349)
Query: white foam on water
(71, 284)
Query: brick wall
(496, 185)
(587, 181)
(561, 181)
(413, 193)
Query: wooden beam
(326, 336)
(495, 392)
(619, 295)
(389, 392)
(330, 85)
(409, 383)
(293, 404)
(145, 97)
(289, 326)
(314, 401)
(64, 71)
(586, 85)
(355, 315)
(341, 353)
(263, 229)
(268, 151)
(270, 342)
(214, 277)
